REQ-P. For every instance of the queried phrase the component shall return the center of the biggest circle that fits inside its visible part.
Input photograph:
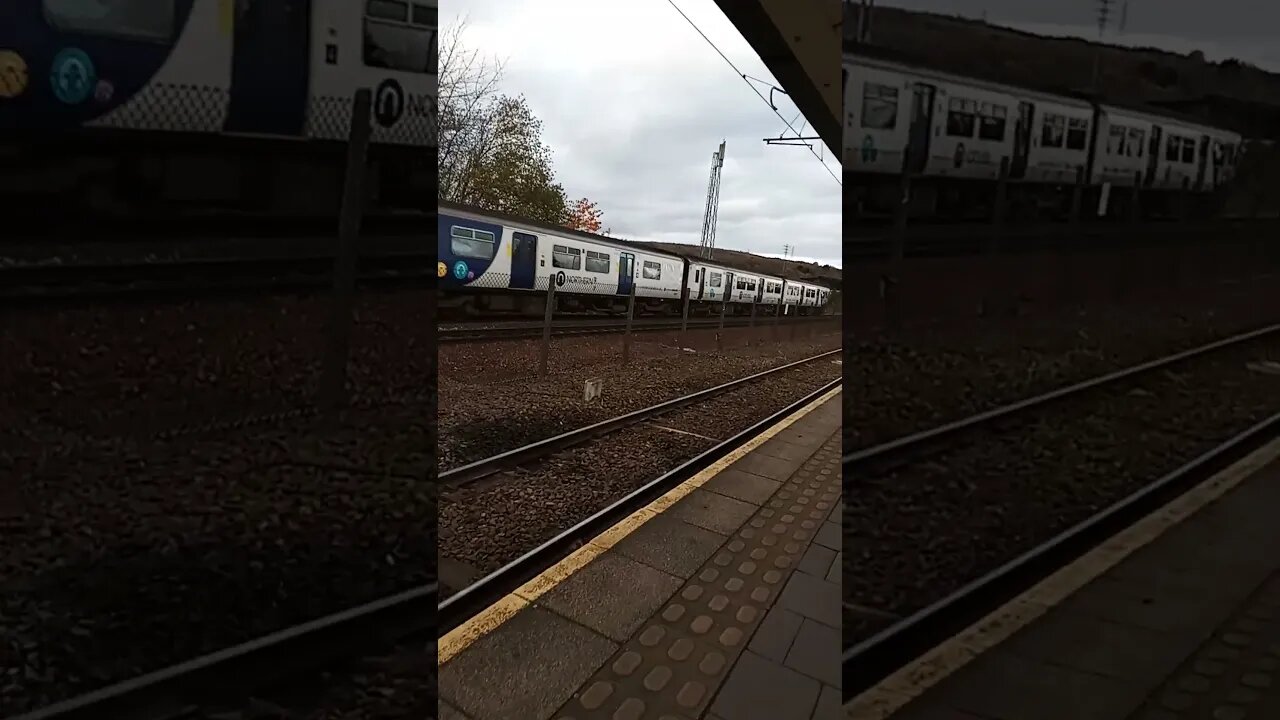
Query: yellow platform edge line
(492, 617)
(882, 700)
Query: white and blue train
(955, 132)
(225, 103)
(489, 262)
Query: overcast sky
(634, 102)
(1243, 29)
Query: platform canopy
(799, 41)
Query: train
(493, 263)
(121, 107)
(954, 133)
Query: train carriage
(215, 102)
(955, 131)
(480, 251)
(490, 261)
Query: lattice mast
(712, 212)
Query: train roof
(445, 206)
(1155, 116)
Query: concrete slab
(526, 668)
(712, 511)
(743, 486)
(670, 545)
(612, 595)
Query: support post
(1135, 202)
(991, 248)
(334, 385)
(544, 353)
(889, 283)
(631, 313)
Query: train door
(760, 290)
(1202, 161)
(1022, 140)
(921, 131)
(626, 273)
(728, 287)
(701, 282)
(270, 67)
(524, 260)
(1153, 154)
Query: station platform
(1176, 618)
(719, 600)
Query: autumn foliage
(582, 214)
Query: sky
(633, 104)
(1243, 29)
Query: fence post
(1135, 202)
(724, 306)
(991, 248)
(631, 313)
(334, 379)
(684, 317)
(889, 284)
(544, 353)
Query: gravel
(125, 551)
(491, 399)
(916, 534)
(486, 526)
(928, 375)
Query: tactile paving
(672, 667)
(1235, 675)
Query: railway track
(875, 243)
(51, 282)
(474, 332)
(883, 639)
(282, 668)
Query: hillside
(809, 272)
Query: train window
(1077, 133)
(563, 256)
(651, 270)
(994, 119)
(1053, 131)
(715, 279)
(1188, 150)
(961, 117)
(1136, 144)
(1115, 141)
(395, 40)
(879, 106)
(425, 16)
(1173, 148)
(471, 243)
(134, 19)
(597, 262)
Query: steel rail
(465, 334)
(547, 446)
(871, 660)
(908, 447)
(179, 690)
(473, 599)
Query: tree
(491, 149)
(582, 214)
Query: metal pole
(684, 318)
(334, 386)
(545, 351)
(724, 305)
(631, 313)
(890, 282)
(993, 243)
